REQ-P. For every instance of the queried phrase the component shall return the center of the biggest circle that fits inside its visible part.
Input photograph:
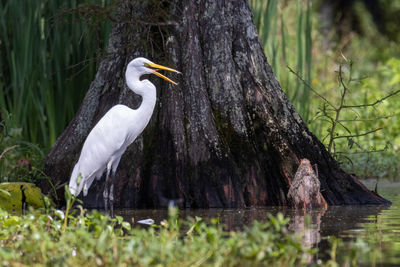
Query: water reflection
(379, 225)
(307, 225)
(333, 221)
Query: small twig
(373, 104)
(7, 149)
(372, 119)
(362, 152)
(356, 135)
(344, 127)
(310, 87)
(338, 110)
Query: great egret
(115, 131)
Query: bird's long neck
(149, 97)
(148, 93)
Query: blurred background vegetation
(50, 50)
(312, 46)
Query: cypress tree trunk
(226, 136)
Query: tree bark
(226, 136)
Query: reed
(280, 33)
(48, 58)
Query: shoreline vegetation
(91, 239)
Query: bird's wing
(109, 134)
(106, 141)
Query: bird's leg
(105, 197)
(112, 196)
(105, 192)
(23, 208)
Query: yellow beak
(157, 67)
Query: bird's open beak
(157, 67)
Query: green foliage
(386, 78)
(366, 138)
(332, 113)
(349, 122)
(93, 239)
(380, 165)
(290, 31)
(48, 59)
(19, 160)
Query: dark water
(378, 225)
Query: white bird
(115, 131)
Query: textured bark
(226, 136)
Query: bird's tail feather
(81, 181)
(90, 178)
(74, 187)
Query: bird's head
(141, 66)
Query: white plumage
(115, 131)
